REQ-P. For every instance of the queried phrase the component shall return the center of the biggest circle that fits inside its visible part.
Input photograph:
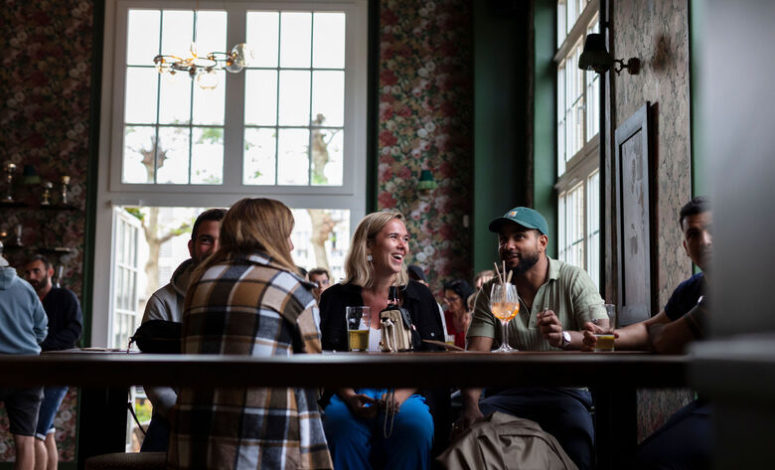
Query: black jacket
(415, 297)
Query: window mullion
(234, 116)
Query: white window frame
(585, 162)
(351, 195)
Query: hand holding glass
(504, 305)
(358, 319)
(605, 335)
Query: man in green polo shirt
(555, 301)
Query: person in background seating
(555, 300)
(457, 316)
(167, 304)
(65, 323)
(319, 277)
(685, 441)
(247, 299)
(23, 326)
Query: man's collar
(554, 268)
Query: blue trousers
(562, 412)
(684, 442)
(357, 443)
(52, 398)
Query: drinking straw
(498, 273)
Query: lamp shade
(426, 183)
(595, 56)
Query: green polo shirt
(569, 291)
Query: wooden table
(104, 378)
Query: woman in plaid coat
(246, 299)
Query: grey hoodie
(167, 304)
(23, 322)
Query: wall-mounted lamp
(426, 184)
(596, 57)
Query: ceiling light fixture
(204, 68)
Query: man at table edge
(167, 304)
(685, 440)
(556, 299)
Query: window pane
(561, 228)
(295, 37)
(293, 162)
(172, 162)
(210, 105)
(261, 97)
(294, 98)
(207, 155)
(138, 154)
(259, 156)
(327, 156)
(562, 28)
(140, 104)
(142, 36)
(177, 32)
(328, 97)
(262, 35)
(175, 99)
(328, 44)
(329, 225)
(593, 227)
(210, 32)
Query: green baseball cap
(523, 216)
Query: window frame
(582, 165)
(111, 192)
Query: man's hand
(590, 340)
(550, 327)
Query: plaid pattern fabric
(248, 306)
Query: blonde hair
(253, 225)
(357, 267)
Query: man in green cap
(555, 300)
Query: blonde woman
(246, 299)
(354, 427)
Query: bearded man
(556, 300)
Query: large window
(578, 117)
(291, 125)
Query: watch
(565, 340)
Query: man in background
(65, 323)
(167, 304)
(23, 326)
(319, 277)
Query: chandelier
(203, 68)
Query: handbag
(397, 330)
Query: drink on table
(605, 337)
(358, 319)
(504, 305)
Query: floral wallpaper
(45, 106)
(425, 112)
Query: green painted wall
(500, 118)
(544, 141)
(699, 180)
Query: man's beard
(40, 284)
(526, 261)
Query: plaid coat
(248, 306)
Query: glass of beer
(504, 305)
(605, 334)
(358, 319)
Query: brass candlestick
(45, 200)
(65, 183)
(10, 169)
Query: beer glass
(605, 337)
(358, 319)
